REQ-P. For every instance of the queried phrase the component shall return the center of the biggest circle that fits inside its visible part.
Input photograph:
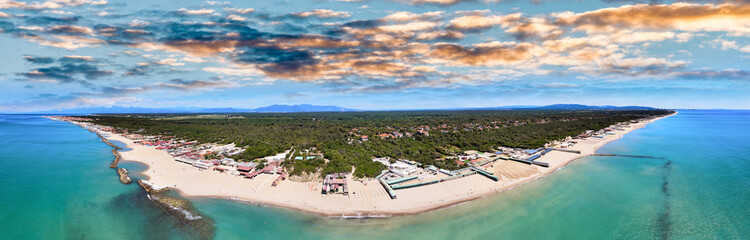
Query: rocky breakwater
(124, 178)
(114, 151)
(179, 208)
(116, 160)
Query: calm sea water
(56, 184)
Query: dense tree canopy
(430, 135)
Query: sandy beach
(366, 199)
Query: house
(246, 166)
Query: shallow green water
(56, 184)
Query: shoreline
(163, 171)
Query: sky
(373, 54)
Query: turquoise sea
(56, 184)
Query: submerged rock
(181, 209)
(124, 178)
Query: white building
(402, 168)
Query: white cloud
(229, 71)
(196, 11)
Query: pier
(388, 188)
(630, 156)
(485, 173)
(399, 186)
(400, 180)
(567, 150)
(527, 161)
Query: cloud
(47, 20)
(65, 73)
(618, 65)
(491, 54)
(479, 21)
(236, 18)
(52, 4)
(729, 45)
(533, 28)
(424, 49)
(322, 13)
(411, 17)
(734, 74)
(151, 67)
(186, 11)
(444, 2)
(38, 60)
(170, 62)
(214, 3)
(70, 30)
(174, 84)
(240, 10)
(726, 17)
(241, 71)
(77, 58)
(62, 41)
(555, 85)
(184, 85)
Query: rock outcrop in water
(114, 151)
(116, 160)
(124, 178)
(179, 208)
(150, 188)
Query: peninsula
(361, 164)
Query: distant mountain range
(557, 107)
(313, 108)
(585, 107)
(301, 108)
(139, 110)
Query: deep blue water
(57, 185)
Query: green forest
(428, 136)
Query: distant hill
(587, 107)
(301, 108)
(556, 107)
(277, 108)
(138, 110)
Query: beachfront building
(383, 160)
(203, 164)
(246, 167)
(335, 183)
(402, 168)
